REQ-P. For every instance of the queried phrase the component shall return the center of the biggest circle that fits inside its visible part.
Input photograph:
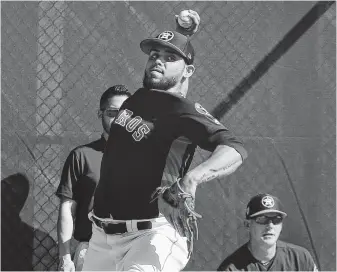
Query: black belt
(119, 228)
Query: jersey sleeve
(309, 260)
(239, 260)
(71, 173)
(207, 132)
(225, 266)
(231, 262)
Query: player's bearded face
(164, 70)
(160, 84)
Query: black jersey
(144, 130)
(288, 257)
(79, 179)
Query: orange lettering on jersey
(123, 117)
(140, 132)
(133, 123)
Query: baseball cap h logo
(176, 41)
(166, 36)
(268, 202)
(264, 203)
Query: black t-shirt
(79, 179)
(288, 257)
(133, 162)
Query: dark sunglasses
(108, 112)
(264, 220)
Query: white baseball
(184, 20)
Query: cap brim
(147, 44)
(267, 211)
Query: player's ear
(99, 113)
(189, 70)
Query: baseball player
(139, 223)
(78, 181)
(263, 251)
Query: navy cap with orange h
(262, 204)
(174, 40)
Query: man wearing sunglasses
(79, 178)
(263, 251)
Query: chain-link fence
(277, 57)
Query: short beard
(163, 84)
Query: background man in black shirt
(79, 178)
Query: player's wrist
(189, 27)
(188, 184)
(66, 257)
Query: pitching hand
(194, 27)
(66, 265)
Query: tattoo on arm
(216, 173)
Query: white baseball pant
(158, 249)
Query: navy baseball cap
(264, 203)
(172, 39)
